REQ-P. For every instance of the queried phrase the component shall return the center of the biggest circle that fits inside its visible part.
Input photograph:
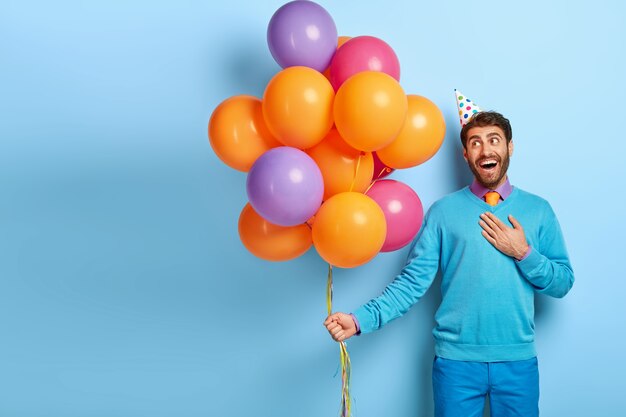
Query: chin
(489, 180)
(493, 184)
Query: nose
(488, 149)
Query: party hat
(466, 107)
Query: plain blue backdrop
(124, 288)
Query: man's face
(487, 155)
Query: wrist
(357, 327)
(522, 253)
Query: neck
(493, 186)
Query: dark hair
(487, 118)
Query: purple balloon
(285, 186)
(302, 33)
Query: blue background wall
(124, 289)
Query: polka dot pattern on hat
(467, 107)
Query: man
(491, 267)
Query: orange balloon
(343, 167)
(420, 137)
(340, 41)
(269, 241)
(349, 230)
(297, 106)
(370, 109)
(237, 132)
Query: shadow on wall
(462, 174)
(543, 306)
(245, 69)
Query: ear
(511, 147)
(465, 153)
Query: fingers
(490, 228)
(333, 327)
(333, 317)
(336, 331)
(333, 324)
(489, 238)
(337, 326)
(495, 223)
(489, 221)
(487, 228)
(515, 223)
(499, 223)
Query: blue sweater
(487, 307)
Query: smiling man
(491, 269)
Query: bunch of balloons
(330, 125)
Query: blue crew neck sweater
(487, 307)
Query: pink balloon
(380, 169)
(403, 212)
(363, 53)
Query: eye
(475, 143)
(495, 140)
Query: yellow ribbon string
(356, 171)
(377, 179)
(385, 169)
(329, 290)
(346, 366)
(346, 369)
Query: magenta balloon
(285, 186)
(380, 169)
(302, 33)
(363, 53)
(403, 212)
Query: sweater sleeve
(547, 267)
(410, 285)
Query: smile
(488, 164)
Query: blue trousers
(460, 388)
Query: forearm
(406, 290)
(551, 276)
(409, 286)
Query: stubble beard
(503, 165)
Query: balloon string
(370, 186)
(385, 169)
(346, 366)
(346, 369)
(375, 180)
(356, 171)
(329, 290)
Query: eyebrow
(488, 135)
